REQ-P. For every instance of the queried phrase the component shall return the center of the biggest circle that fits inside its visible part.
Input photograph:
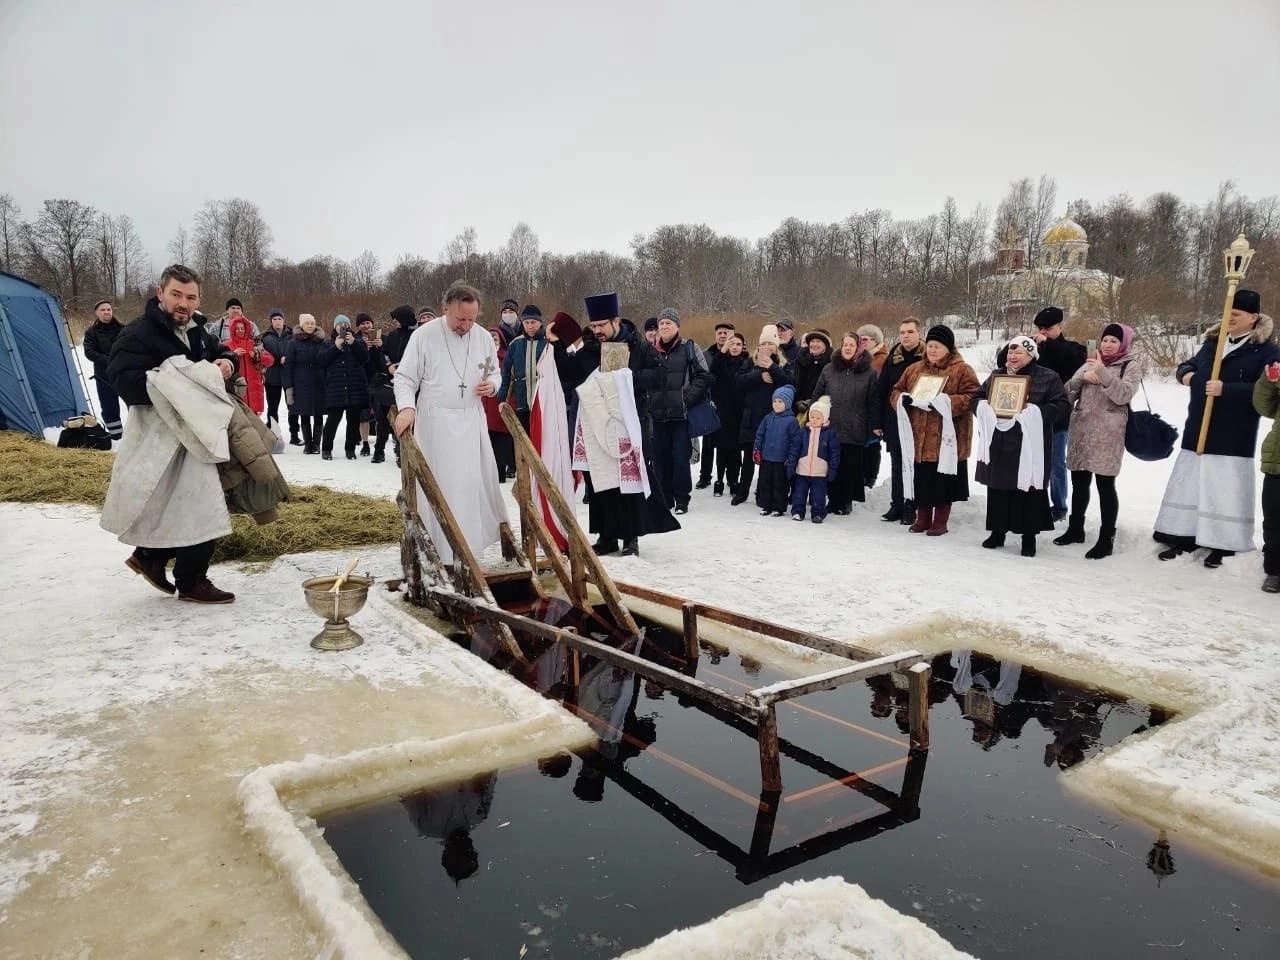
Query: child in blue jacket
(813, 458)
(774, 437)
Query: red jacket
(253, 360)
(491, 415)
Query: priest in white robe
(450, 365)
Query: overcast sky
(393, 125)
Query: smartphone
(1093, 346)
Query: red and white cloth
(549, 431)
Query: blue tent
(39, 383)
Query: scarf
(549, 432)
(531, 371)
(1126, 342)
(1031, 455)
(948, 450)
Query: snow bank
(808, 920)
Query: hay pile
(317, 518)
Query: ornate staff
(1236, 258)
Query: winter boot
(1214, 560)
(908, 512)
(364, 449)
(1074, 532)
(702, 484)
(739, 496)
(893, 514)
(603, 547)
(718, 489)
(940, 517)
(924, 520)
(1106, 540)
(1271, 583)
(995, 541)
(378, 457)
(1028, 544)
(294, 439)
(631, 548)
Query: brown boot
(940, 517)
(151, 570)
(205, 592)
(924, 520)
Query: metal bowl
(336, 608)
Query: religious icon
(1008, 395)
(614, 356)
(927, 387)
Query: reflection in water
(450, 815)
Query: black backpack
(84, 432)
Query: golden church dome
(1066, 230)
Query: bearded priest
(450, 366)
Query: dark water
(662, 827)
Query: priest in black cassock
(609, 436)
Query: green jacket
(1266, 400)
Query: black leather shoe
(892, 515)
(205, 592)
(603, 547)
(150, 570)
(379, 457)
(1214, 560)
(1172, 553)
(326, 455)
(702, 484)
(631, 548)
(1271, 584)
(993, 542)
(737, 499)
(718, 490)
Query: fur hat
(769, 334)
(1026, 343)
(872, 331)
(818, 334)
(786, 393)
(943, 335)
(669, 313)
(404, 316)
(1248, 301)
(1048, 317)
(823, 406)
(530, 312)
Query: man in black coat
(98, 341)
(169, 328)
(674, 374)
(711, 443)
(884, 421)
(1064, 357)
(788, 346)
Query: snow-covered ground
(130, 718)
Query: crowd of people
(803, 420)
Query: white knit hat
(822, 405)
(769, 334)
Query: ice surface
(807, 920)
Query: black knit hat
(404, 316)
(943, 335)
(1048, 317)
(1113, 330)
(509, 303)
(530, 312)
(233, 302)
(651, 323)
(1248, 301)
(274, 312)
(362, 317)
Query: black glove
(906, 400)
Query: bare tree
(520, 258)
(108, 256)
(366, 272)
(135, 265)
(463, 252)
(180, 245)
(232, 243)
(409, 281)
(58, 245)
(10, 231)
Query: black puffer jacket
(395, 342)
(883, 416)
(851, 386)
(148, 342)
(1064, 357)
(304, 373)
(675, 377)
(725, 393)
(98, 341)
(757, 395)
(346, 381)
(275, 344)
(1047, 393)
